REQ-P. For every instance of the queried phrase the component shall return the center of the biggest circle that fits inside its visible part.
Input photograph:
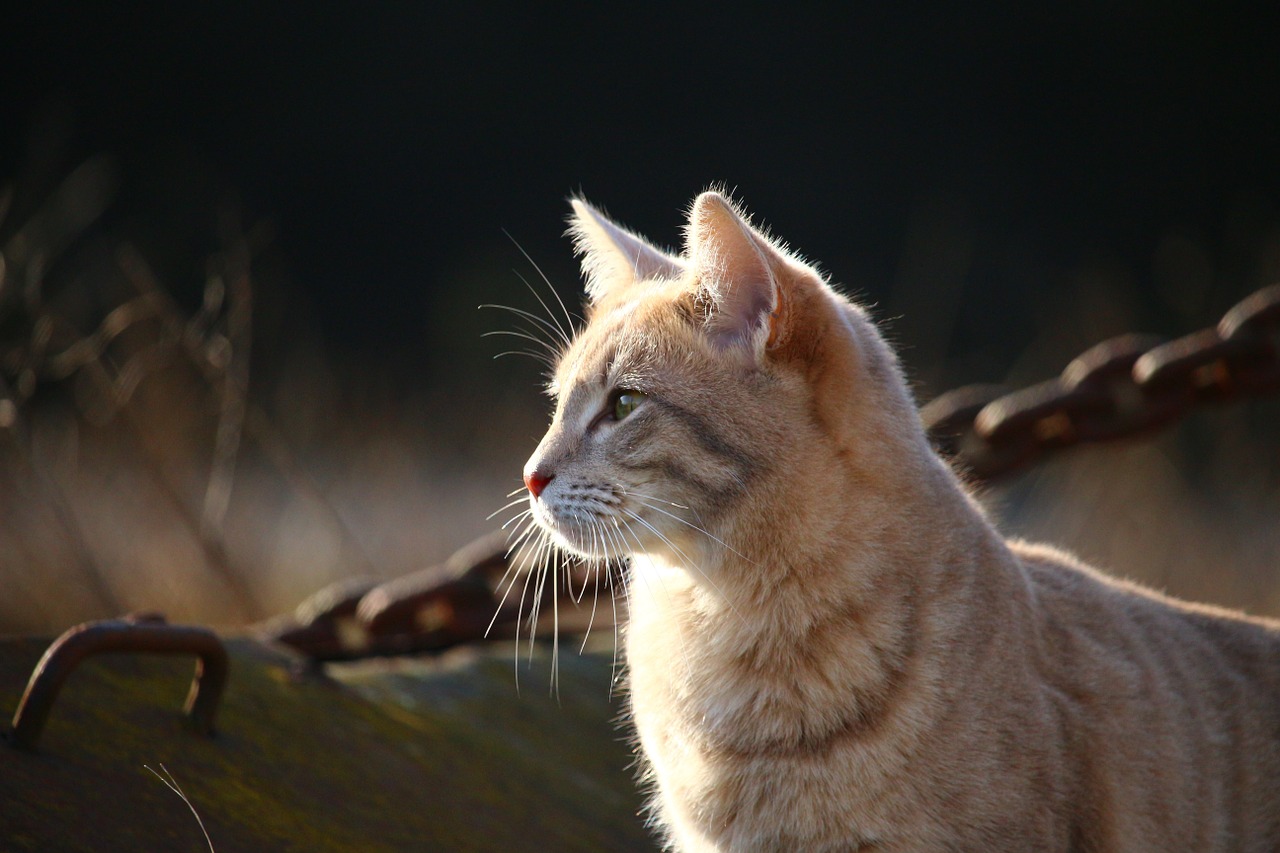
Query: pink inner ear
(731, 261)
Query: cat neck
(750, 653)
(867, 582)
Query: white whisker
(526, 514)
(524, 591)
(523, 334)
(684, 652)
(555, 628)
(568, 585)
(505, 507)
(531, 317)
(538, 269)
(563, 333)
(538, 591)
(521, 532)
(613, 602)
(688, 563)
(536, 356)
(641, 499)
(595, 599)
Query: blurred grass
(341, 467)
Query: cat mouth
(614, 530)
(585, 534)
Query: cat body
(829, 646)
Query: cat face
(662, 419)
(707, 393)
(649, 441)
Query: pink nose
(536, 482)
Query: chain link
(1120, 388)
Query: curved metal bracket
(147, 635)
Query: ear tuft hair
(612, 255)
(735, 267)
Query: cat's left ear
(612, 255)
(737, 270)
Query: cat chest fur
(745, 747)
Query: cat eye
(624, 403)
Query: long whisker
(685, 558)
(524, 334)
(521, 531)
(524, 591)
(517, 536)
(538, 269)
(551, 567)
(643, 500)
(689, 564)
(512, 572)
(538, 590)
(595, 599)
(568, 585)
(531, 317)
(613, 602)
(613, 598)
(536, 356)
(609, 547)
(555, 628)
(505, 507)
(535, 572)
(564, 333)
(684, 652)
(523, 514)
(515, 539)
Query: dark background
(969, 169)
(1007, 184)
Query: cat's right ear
(613, 256)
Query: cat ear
(612, 255)
(733, 263)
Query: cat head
(710, 394)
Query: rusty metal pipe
(123, 635)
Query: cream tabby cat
(829, 647)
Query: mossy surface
(428, 754)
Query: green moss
(410, 755)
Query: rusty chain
(1123, 387)
(461, 601)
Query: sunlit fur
(829, 647)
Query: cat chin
(587, 550)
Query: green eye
(625, 403)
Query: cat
(829, 646)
